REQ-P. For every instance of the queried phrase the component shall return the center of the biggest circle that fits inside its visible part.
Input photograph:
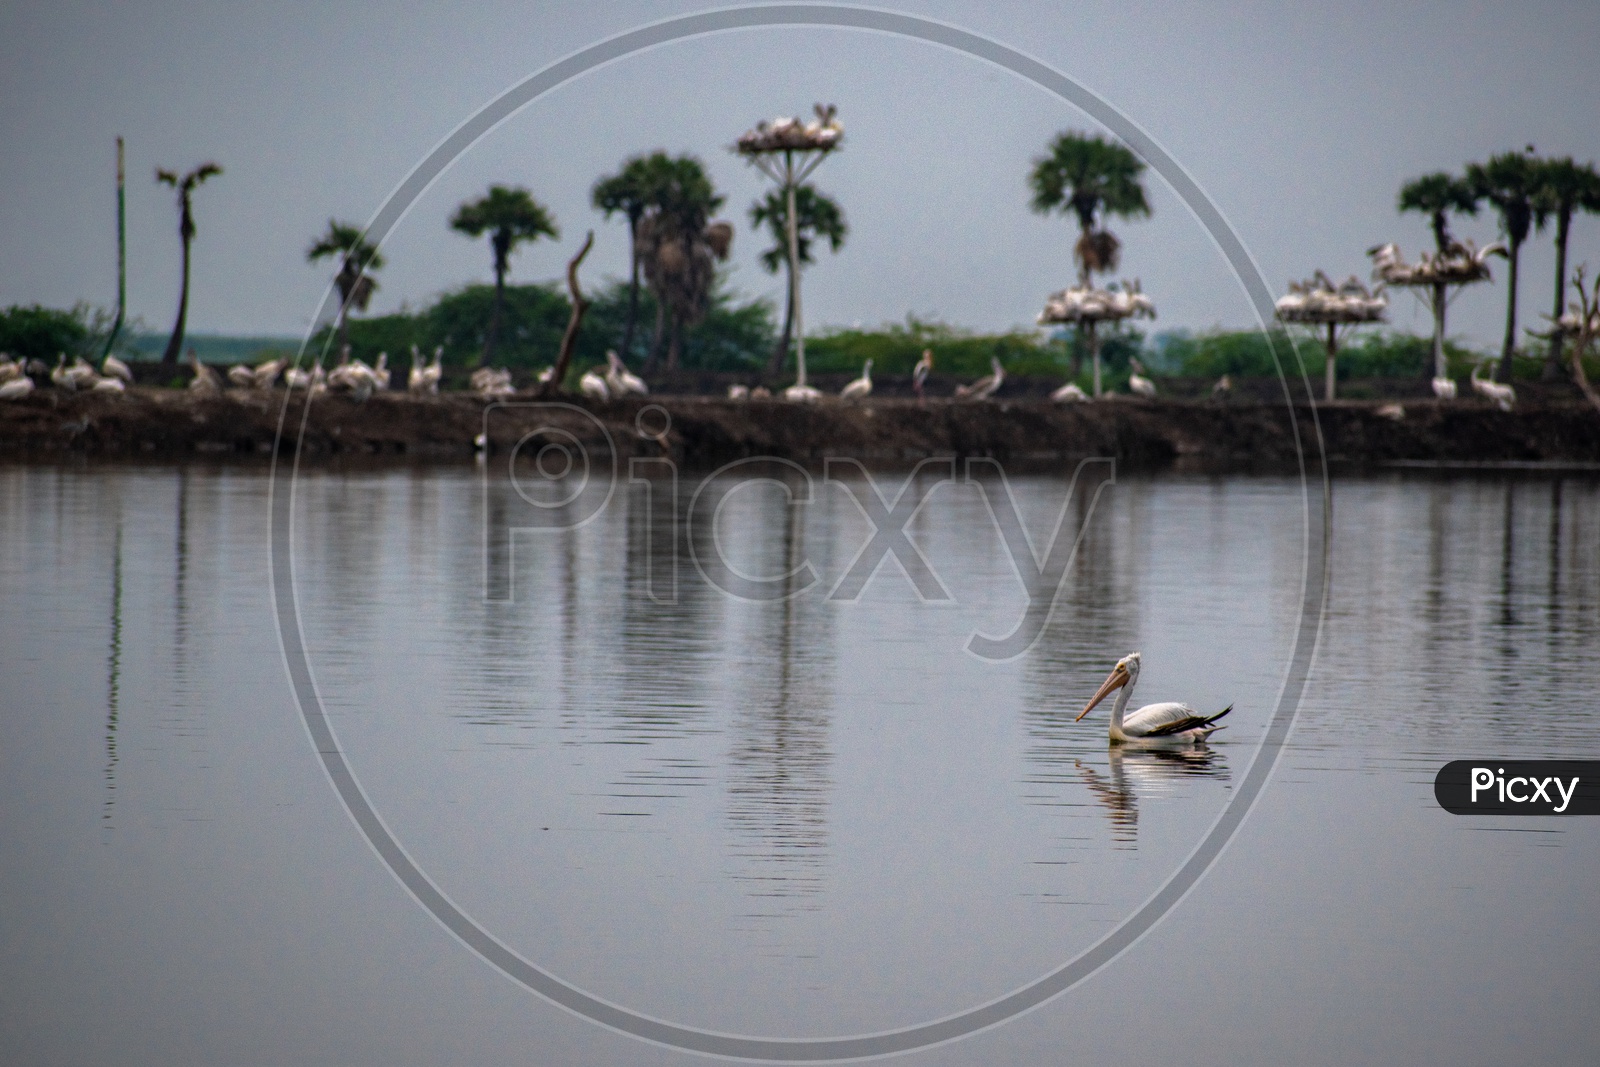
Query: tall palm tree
(1564, 188)
(357, 261)
(678, 247)
(1089, 177)
(1509, 182)
(509, 216)
(815, 215)
(633, 190)
(1436, 195)
(185, 186)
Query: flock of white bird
(1459, 264)
(794, 134)
(1319, 300)
(1084, 304)
(16, 376)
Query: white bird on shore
(738, 392)
(919, 373)
(206, 380)
(1503, 395)
(802, 394)
(1444, 388)
(424, 378)
(241, 376)
(1138, 383)
(1165, 725)
(861, 387)
(593, 386)
(1222, 389)
(985, 387)
(112, 367)
(492, 381)
(1393, 412)
(620, 380)
(108, 385)
(380, 373)
(1069, 394)
(16, 388)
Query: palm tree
(633, 190)
(509, 216)
(185, 187)
(357, 261)
(1436, 195)
(1565, 187)
(1090, 176)
(816, 215)
(1509, 182)
(678, 247)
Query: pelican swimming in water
(1168, 724)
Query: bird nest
(794, 135)
(1083, 305)
(1459, 264)
(1319, 301)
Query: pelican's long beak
(1114, 681)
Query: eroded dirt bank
(1241, 434)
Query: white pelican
(802, 394)
(1069, 394)
(380, 373)
(1391, 411)
(919, 373)
(16, 388)
(1502, 395)
(1223, 387)
(760, 392)
(984, 388)
(1138, 383)
(1444, 388)
(620, 381)
(241, 376)
(112, 367)
(861, 387)
(206, 380)
(738, 392)
(593, 386)
(1169, 724)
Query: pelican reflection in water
(1152, 772)
(1166, 725)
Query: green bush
(732, 336)
(895, 349)
(43, 333)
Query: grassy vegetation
(733, 336)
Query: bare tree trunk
(169, 358)
(580, 305)
(1094, 352)
(1552, 359)
(1508, 350)
(1333, 354)
(674, 343)
(1440, 302)
(780, 353)
(656, 339)
(494, 315)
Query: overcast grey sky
(1300, 123)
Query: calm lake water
(806, 810)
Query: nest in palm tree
(1459, 264)
(794, 134)
(1320, 301)
(1085, 304)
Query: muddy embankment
(1242, 434)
